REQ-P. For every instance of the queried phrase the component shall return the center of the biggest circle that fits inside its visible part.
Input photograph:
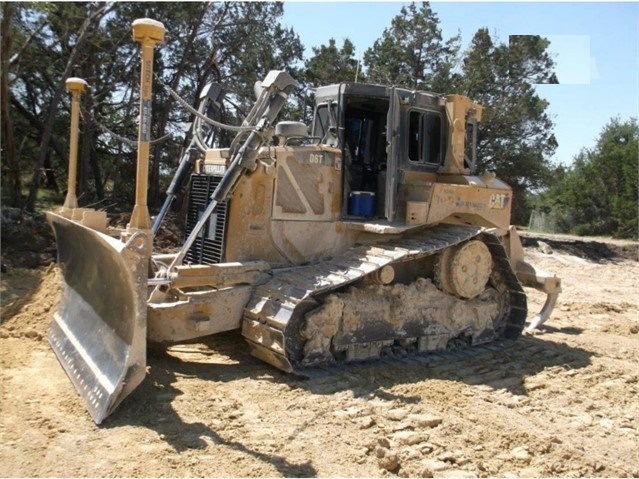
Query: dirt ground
(560, 403)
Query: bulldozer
(366, 235)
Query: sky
(595, 46)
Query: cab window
(322, 120)
(425, 137)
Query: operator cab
(361, 120)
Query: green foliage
(233, 43)
(328, 65)
(598, 194)
(412, 53)
(528, 58)
(332, 65)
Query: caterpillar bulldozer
(368, 235)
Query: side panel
(304, 241)
(307, 184)
(288, 213)
(477, 204)
(307, 204)
(415, 187)
(248, 230)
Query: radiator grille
(208, 247)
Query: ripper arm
(532, 277)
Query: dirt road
(561, 403)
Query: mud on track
(561, 403)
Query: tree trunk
(91, 133)
(88, 159)
(33, 120)
(119, 180)
(12, 169)
(49, 173)
(91, 130)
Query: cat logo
(497, 201)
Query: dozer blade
(99, 330)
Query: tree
(529, 59)
(328, 65)
(92, 17)
(11, 174)
(515, 137)
(412, 54)
(233, 43)
(598, 193)
(332, 65)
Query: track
(432, 359)
(274, 319)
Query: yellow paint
(148, 33)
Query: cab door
(393, 151)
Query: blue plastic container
(361, 203)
